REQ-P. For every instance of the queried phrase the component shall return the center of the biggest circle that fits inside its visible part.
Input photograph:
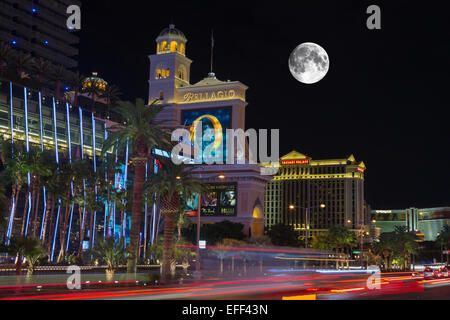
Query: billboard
(214, 120)
(220, 201)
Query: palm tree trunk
(25, 210)
(136, 211)
(50, 231)
(82, 230)
(169, 226)
(15, 196)
(37, 202)
(58, 89)
(49, 203)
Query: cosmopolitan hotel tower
(317, 194)
(39, 28)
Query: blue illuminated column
(11, 217)
(106, 180)
(69, 142)
(95, 171)
(125, 179)
(42, 149)
(82, 157)
(25, 99)
(145, 213)
(155, 171)
(57, 161)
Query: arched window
(161, 95)
(181, 72)
(158, 74)
(167, 73)
(173, 46)
(164, 46)
(182, 48)
(157, 48)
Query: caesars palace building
(237, 190)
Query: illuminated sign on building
(209, 96)
(214, 123)
(220, 200)
(299, 161)
(362, 170)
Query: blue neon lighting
(56, 230)
(34, 10)
(81, 132)
(26, 118)
(106, 180)
(14, 42)
(56, 128)
(70, 228)
(68, 132)
(46, 42)
(11, 218)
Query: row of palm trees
(74, 186)
(338, 238)
(21, 67)
(398, 246)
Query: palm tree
(29, 248)
(111, 252)
(444, 237)
(171, 181)
(58, 75)
(23, 61)
(341, 239)
(111, 95)
(385, 247)
(39, 167)
(42, 69)
(322, 242)
(5, 56)
(405, 245)
(142, 134)
(93, 91)
(16, 169)
(76, 81)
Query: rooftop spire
(211, 73)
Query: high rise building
(317, 194)
(39, 28)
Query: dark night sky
(384, 99)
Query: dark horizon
(383, 99)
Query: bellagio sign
(209, 96)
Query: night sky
(384, 99)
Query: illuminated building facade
(304, 183)
(217, 105)
(69, 132)
(426, 223)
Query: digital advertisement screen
(220, 201)
(214, 120)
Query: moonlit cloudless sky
(384, 99)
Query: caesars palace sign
(209, 96)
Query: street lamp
(442, 247)
(292, 207)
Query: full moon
(309, 63)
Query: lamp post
(292, 207)
(442, 247)
(199, 205)
(199, 201)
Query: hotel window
(161, 95)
